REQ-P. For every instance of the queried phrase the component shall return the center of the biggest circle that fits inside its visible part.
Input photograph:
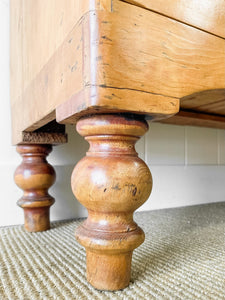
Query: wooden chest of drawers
(108, 66)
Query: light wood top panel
(139, 50)
(208, 15)
(147, 51)
(129, 59)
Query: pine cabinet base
(108, 66)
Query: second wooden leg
(34, 176)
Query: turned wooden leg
(111, 182)
(34, 176)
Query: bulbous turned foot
(111, 182)
(34, 176)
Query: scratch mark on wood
(108, 97)
(61, 21)
(116, 187)
(106, 38)
(74, 67)
(134, 191)
(116, 96)
(137, 90)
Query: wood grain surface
(210, 101)
(38, 32)
(167, 58)
(111, 182)
(193, 118)
(206, 15)
(38, 28)
(100, 49)
(35, 176)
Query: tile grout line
(145, 148)
(185, 146)
(218, 148)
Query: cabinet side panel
(40, 77)
(38, 28)
(57, 81)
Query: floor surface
(183, 257)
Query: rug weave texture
(183, 257)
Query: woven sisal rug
(183, 257)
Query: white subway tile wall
(201, 146)
(165, 146)
(175, 186)
(221, 147)
(140, 147)
(187, 163)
